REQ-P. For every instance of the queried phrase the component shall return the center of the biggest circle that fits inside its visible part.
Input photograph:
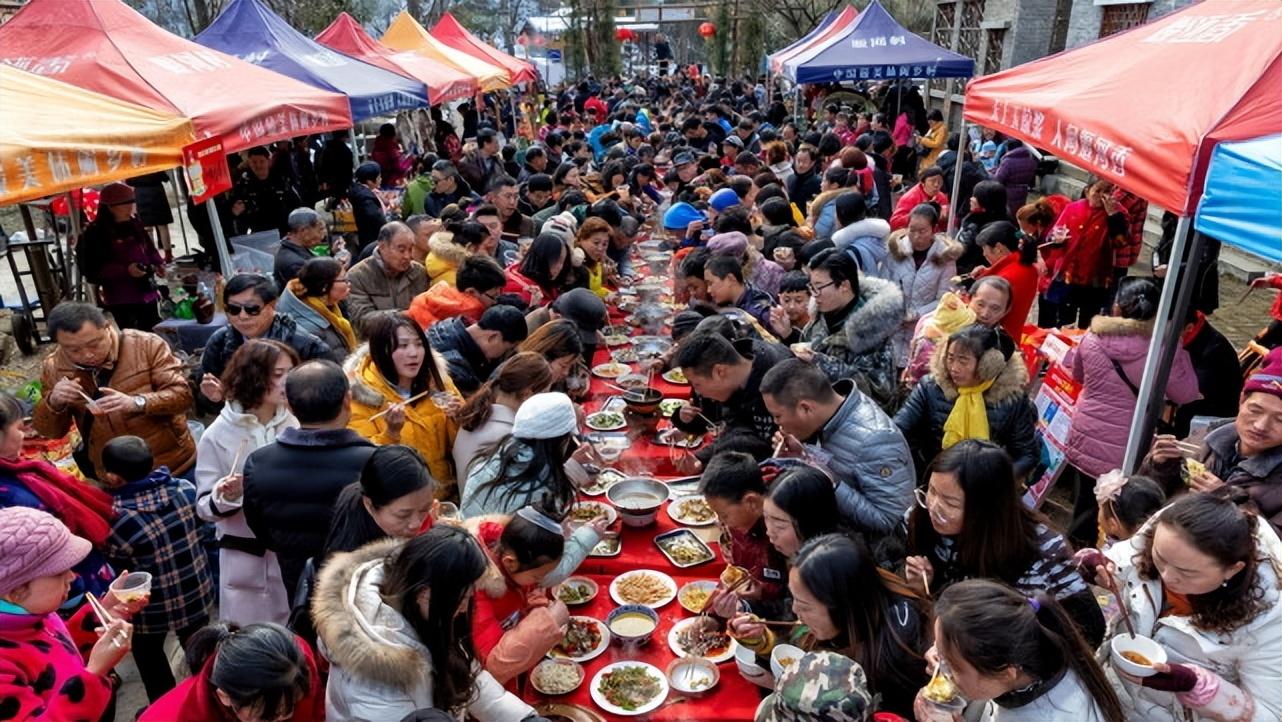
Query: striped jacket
(157, 531)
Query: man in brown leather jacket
(113, 383)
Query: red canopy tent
(443, 82)
(108, 47)
(452, 33)
(1144, 108)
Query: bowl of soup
(638, 499)
(1136, 655)
(632, 623)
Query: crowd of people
(371, 525)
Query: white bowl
(746, 659)
(1140, 645)
(534, 675)
(782, 652)
(684, 673)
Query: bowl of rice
(556, 676)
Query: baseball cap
(585, 309)
(685, 157)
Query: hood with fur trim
(359, 631)
(487, 528)
(866, 228)
(368, 385)
(823, 199)
(1010, 375)
(942, 250)
(877, 318)
(442, 245)
(1122, 339)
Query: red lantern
(707, 30)
(624, 35)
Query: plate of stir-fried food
(585, 638)
(692, 510)
(701, 637)
(629, 688)
(643, 586)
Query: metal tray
(618, 549)
(658, 541)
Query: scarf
(86, 510)
(331, 314)
(969, 417)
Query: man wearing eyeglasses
(448, 187)
(250, 303)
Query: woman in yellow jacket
(934, 140)
(402, 394)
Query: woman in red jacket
(258, 672)
(1089, 230)
(1013, 256)
(540, 275)
(928, 190)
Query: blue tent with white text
(1242, 204)
(249, 30)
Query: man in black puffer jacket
(725, 377)
(290, 486)
(472, 352)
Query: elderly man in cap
(117, 253)
(583, 307)
(389, 279)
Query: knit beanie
(545, 416)
(35, 544)
(1268, 380)
(724, 198)
(733, 243)
(114, 194)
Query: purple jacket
(105, 252)
(1097, 441)
(1017, 172)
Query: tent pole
(1172, 307)
(356, 156)
(220, 241)
(71, 278)
(954, 203)
(180, 190)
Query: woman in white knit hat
(44, 672)
(529, 466)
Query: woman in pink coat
(1109, 363)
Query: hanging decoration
(624, 35)
(707, 30)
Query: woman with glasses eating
(970, 522)
(249, 300)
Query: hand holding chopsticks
(401, 404)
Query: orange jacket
(444, 301)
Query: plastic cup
(448, 510)
(443, 399)
(132, 587)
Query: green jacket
(415, 193)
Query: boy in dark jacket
(736, 491)
(156, 530)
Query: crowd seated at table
(413, 437)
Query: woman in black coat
(974, 357)
(366, 207)
(987, 205)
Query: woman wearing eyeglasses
(970, 522)
(249, 299)
(976, 390)
(312, 300)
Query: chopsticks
(240, 452)
(1187, 447)
(1121, 606)
(778, 447)
(103, 616)
(773, 623)
(406, 402)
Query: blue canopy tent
(876, 47)
(249, 30)
(1241, 205)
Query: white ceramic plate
(581, 583)
(676, 511)
(618, 598)
(602, 508)
(534, 675)
(592, 653)
(647, 707)
(676, 377)
(675, 645)
(612, 370)
(603, 481)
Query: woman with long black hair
(1022, 656)
(971, 522)
(987, 205)
(851, 607)
(488, 414)
(801, 505)
(541, 275)
(394, 620)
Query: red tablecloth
(734, 698)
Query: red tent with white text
(108, 47)
(452, 33)
(444, 83)
(1145, 108)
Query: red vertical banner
(207, 171)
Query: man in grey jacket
(838, 428)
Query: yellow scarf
(969, 417)
(332, 315)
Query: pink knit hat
(1268, 379)
(35, 544)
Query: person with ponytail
(1013, 256)
(1202, 580)
(394, 619)
(254, 673)
(1109, 363)
(517, 619)
(977, 389)
(83, 508)
(487, 415)
(394, 497)
(1021, 657)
